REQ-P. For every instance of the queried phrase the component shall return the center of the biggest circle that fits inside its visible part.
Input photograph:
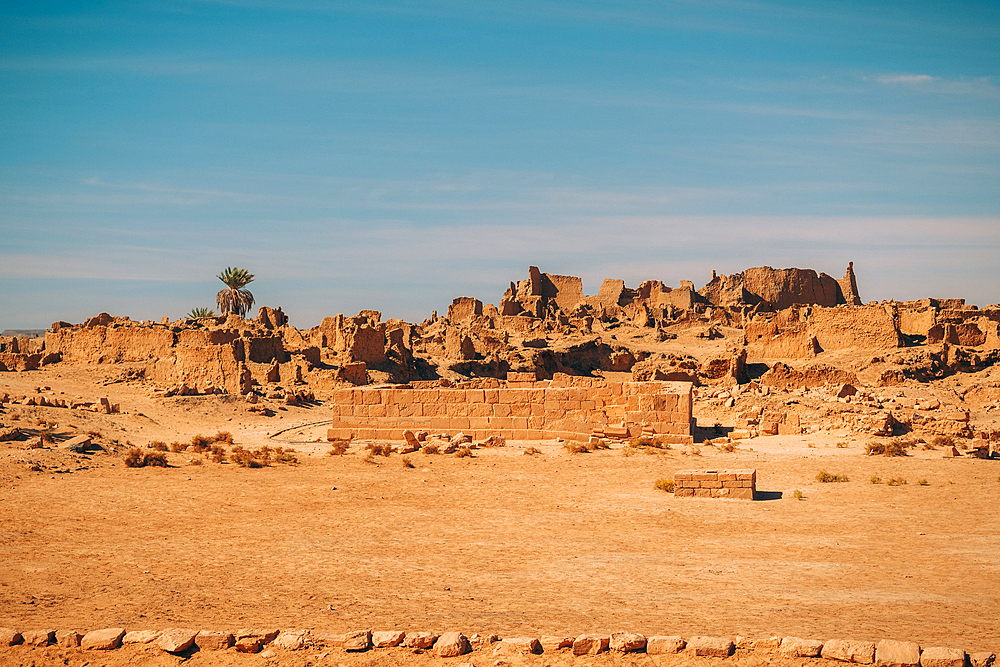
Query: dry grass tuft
(576, 447)
(941, 441)
(924, 482)
(798, 495)
(825, 477)
(430, 449)
(177, 447)
(896, 481)
(463, 452)
(136, 458)
(380, 449)
(339, 446)
(891, 448)
(407, 463)
(665, 485)
(158, 445)
(875, 479)
(532, 451)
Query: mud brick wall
(715, 484)
(570, 408)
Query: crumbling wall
(773, 289)
(567, 407)
(868, 327)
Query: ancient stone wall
(568, 407)
(740, 484)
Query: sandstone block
(103, 640)
(663, 644)
(38, 637)
(552, 643)
(626, 642)
(849, 650)
(176, 640)
(451, 645)
(891, 653)
(796, 647)
(265, 635)
(293, 640)
(716, 647)
(68, 638)
(9, 637)
(933, 656)
(140, 636)
(517, 646)
(387, 638)
(981, 659)
(210, 640)
(248, 644)
(590, 644)
(419, 639)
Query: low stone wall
(572, 408)
(739, 484)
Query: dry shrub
(285, 456)
(943, 441)
(224, 436)
(924, 482)
(841, 445)
(602, 444)
(136, 458)
(430, 449)
(875, 479)
(244, 458)
(338, 446)
(195, 462)
(47, 437)
(407, 463)
(158, 445)
(532, 451)
(729, 447)
(629, 450)
(200, 443)
(218, 454)
(370, 459)
(176, 447)
(643, 441)
(896, 481)
(892, 448)
(156, 459)
(463, 452)
(576, 447)
(665, 485)
(378, 449)
(262, 457)
(798, 495)
(826, 477)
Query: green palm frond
(236, 299)
(198, 313)
(235, 278)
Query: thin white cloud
(905, 78)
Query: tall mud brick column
(739, 484)
(566, 407)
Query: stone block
(38, 637)
(590, 644)
(140, 636)
(715, 647)
(292, 640)
(419, 639)
(626, 642)
(664, 644)
(176, 640)
(796, 647)
(9, 637)
(210, 640)
(936, 656)
(891, 653)
(357, 640)
(981, 659)
(517, 646)
(387, 638)
(103, 640)
(849, 650)
(552, 643)
(451, 645)
(68, 638)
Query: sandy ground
(503, 542)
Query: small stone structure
(739, 484)
(568, 407)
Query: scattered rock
(293, 640)
(551, 643)
(103, 640)
(890, 653)
(140, 636)
(38, 637)
(478, 641)
(849, 650)
(68, 638)
(981, 659)
(387, 638)
(451, 645)
(626, 642)
(663, 644)
(517, 646)
(716, 647)
(79, 444)
(934, 656)
(9, 637)
(419, 640)
(210, 640)
(796, 647)
(357, 640)
(590, 644)
(176, 640)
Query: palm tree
(236, 299)
(198, 313)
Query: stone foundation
(571, 408)
(740, 484)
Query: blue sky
(394, 155)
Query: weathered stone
(266, 635)
(552, 643)
(387, 638)
(103, 640)
(451, 645)
(68, 638)
(716, 647)
(293, 640)
(419, 639)
(626, 642)
(938, 656)
(78, 444)
(796, 647)
(176, 640)
(478, 641)
(331, 640)
(9, 637)
(249, 644)
(590, 644)
(662, 644)
(517, 646)
(982, 659)
(38, 637)
(140, 636)
(357, 640)
(849, 650)
(211, 640)
(890, 653)
(8, 434)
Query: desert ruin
(765, 470)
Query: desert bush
(243, 458)
(643, 441)
(629, 450)
(602, 444)
(665, 485)
(407, 463)
(261, 457)
(826, 477)
(156, 459)
(923, 482)
(430, 449)
(338, 447)
(532, 451)
(729, 447)
(158, 445)
(134, 458)
(370, 459)
(896, 481)
(875, 479)
(200, 443)
(380, 449)
(841, 445)
(891, 448)
(285, 456)
(224, 436)
(798, 495)
(576, 447)
(195, 462)
(47, 437)
(463, 452)
(176, 447)
(218, 454)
